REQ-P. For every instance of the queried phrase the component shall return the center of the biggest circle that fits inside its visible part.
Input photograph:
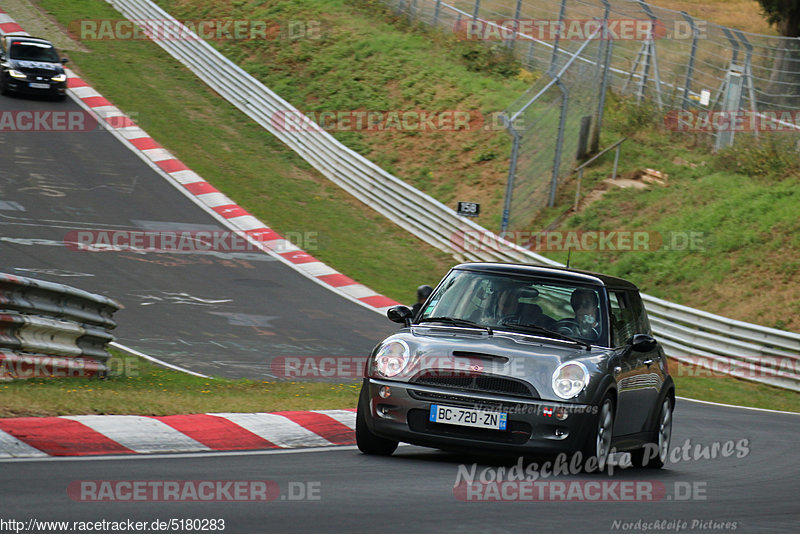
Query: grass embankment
(742, 200)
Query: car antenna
(569, 253)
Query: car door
(640, 377)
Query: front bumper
(21, 86)
(532, 428)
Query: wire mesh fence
(553, 125)
(705, 78)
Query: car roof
(18, 37)
(554, 273)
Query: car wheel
(598, 445)
(367, 442)
(645, 457)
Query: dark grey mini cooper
(523, 360)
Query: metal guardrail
(49, 329)
(689, 335)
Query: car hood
(525, 357)
(36, 67)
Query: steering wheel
(568, 327)
(571, 328)
(506, 319)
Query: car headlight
(59, 78)
(17, 74)
(570, 379)
(391, 359)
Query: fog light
(560, 432)
(561, 413)
(383, 409)
(385, 392)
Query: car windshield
(27, 51)
(522, 304)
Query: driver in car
(584, 302)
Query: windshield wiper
(549, 333)
(456, 322)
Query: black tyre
(598, 444)
(654, 455)
(367, 442)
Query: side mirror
(642, 343)
(64, 60)
(400, 314)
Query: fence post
(512, 171)
(650, 45)
(731, 102)
(436, 8)
(554, 58)
(608, 44)
(723, 87)
(515, 35)
(559, 141)
(687, 85)
(531, 58)
(475, 10)
(748, 74)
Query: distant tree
(784, 86)
(784, 14)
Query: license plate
(468, 417)
(40, 85)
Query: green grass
(713, 387)
(137, 387)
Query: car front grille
(476, 383)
